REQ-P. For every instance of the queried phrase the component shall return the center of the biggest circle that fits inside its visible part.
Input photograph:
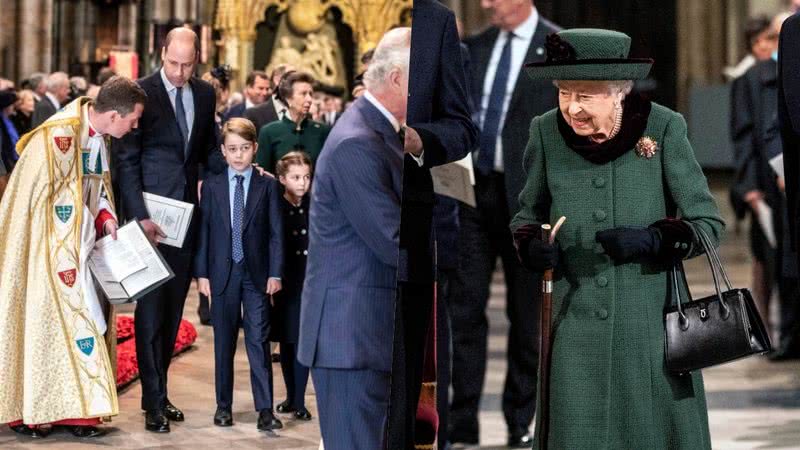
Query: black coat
(262, 114)
(754, 108)
(789, 116)
(531, 98)
(438, 110)
(285, 316)
(152, 159)
(42, 111)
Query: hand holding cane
(545, 339)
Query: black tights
(295, 375)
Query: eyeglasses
(240, 148)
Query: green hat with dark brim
(589, 54)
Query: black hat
(7, 97)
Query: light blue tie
(491, 119)
(236, 225)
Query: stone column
(34, 36)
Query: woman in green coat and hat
(622, 171)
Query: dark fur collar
(634, 121)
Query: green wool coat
(278, 138)
(609, 385)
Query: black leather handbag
(713, 330)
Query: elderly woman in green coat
(623, 173)
(295, 131)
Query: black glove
(542, 255)
(627, 244)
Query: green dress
(278, 138)
(609, 385)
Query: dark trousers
(484, 237)
(156, 321)
(226, 311)
(295, 375)
(445, 279)
(352, 407)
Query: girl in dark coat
(294, 173)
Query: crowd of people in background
(758, 188)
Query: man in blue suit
(347, 314)
(256, 92)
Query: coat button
(300, 211)
(599, 215)
(602, 281)
(303, 232)
(599, 182)
(291, 213)
(297, 252)
(602, 314)
(294, 233)
(305, 252)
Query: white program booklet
(456, 180)
(173, 216)
(129, 267)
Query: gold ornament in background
(321, 58)
(369, 20)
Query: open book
(130, 267)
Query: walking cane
(545, 340)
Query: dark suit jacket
(754, 106)
(347, 310)
(152, 158)
(438, 110)
(262, 114)
(42, 111)
(234, 111)
(262, 232)
(789, 115)
(530, 99)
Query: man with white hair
(347, 316)
(57, 93)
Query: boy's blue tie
(491, 119)
(236, 226)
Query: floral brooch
(646, 147)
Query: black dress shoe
(223, 418)
(267, 421)
(302, 414)
(457, 437)
(36, 433)
(285, 407)
(174, 414)
(86, 431)
(520, 441)
(155, 421)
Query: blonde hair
(295, 158)
(240, 127)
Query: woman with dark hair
(296, 131)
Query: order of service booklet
(129, 267)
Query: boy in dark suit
(239, 262)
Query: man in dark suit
(176, 135)
(506, 101)
(439, 126)
(789, 120)
(256, 92)
(347, 312)
(272, 109)
(58, 90)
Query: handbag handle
(714, 263)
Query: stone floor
(753, 403)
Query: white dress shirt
(523, 35)
(392, 120)
(53, 100)
(188, 100)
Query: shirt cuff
(419, 159)
(777, 165)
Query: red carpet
(127, 366)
